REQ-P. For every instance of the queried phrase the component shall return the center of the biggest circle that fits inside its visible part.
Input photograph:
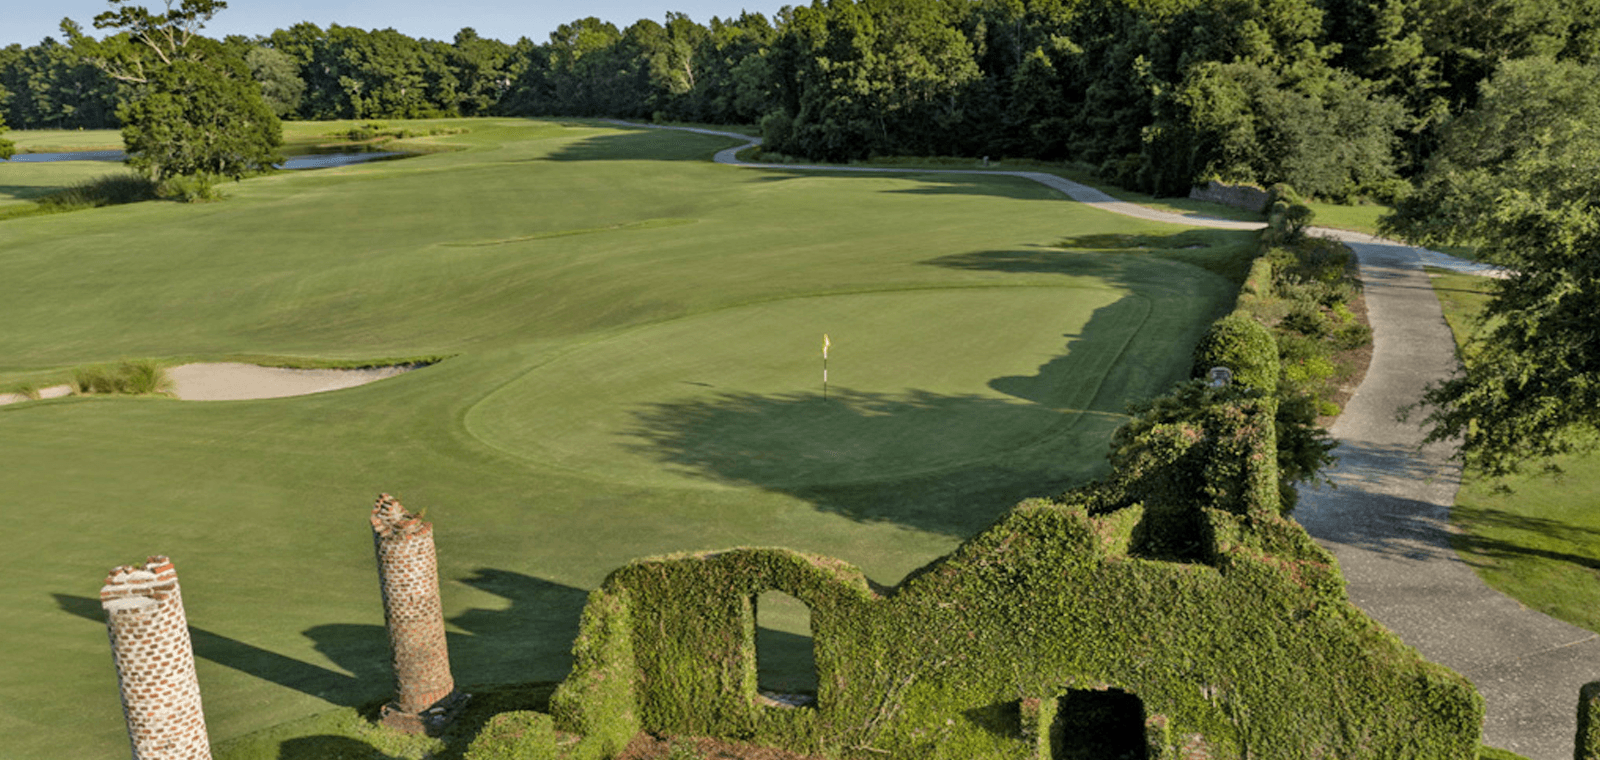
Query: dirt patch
(1352, 363)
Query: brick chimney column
(155, 662)
(408, 572)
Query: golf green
(634, 342)
(920, 381)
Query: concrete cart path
(1388, 520)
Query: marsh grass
(134, 377)
(109, 190)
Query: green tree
(53, 86)
(1519, 176)
(7, 148)
(479, 66)
(200, 118)
(875, 76)
(1324, 131)
(278, 74)
(196, 111)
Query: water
(308, 161)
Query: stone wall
(408, 573)
(155, 662)
(1238, 196)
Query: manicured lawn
(636, 370)
(1361, 217)
(63, 140)
(1540, 543)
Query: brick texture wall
(155, 662)
(408, 572)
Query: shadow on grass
(307, 678)
(1115, 257)
(1364, 513)
(640, 144)
(785, 662)
(940, 463)
(943, 463)
(1484, 550)
(927, 181)
(330, 748)
(531, 640)
(29, 192)
(826, 452)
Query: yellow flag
(825, 345)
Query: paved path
(1388, 523)
(1388, 520)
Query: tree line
(1338, 98)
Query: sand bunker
(231, 381)
(234, 382)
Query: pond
(304, 161)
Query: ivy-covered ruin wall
(1134, 610)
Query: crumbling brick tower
(155, 662)
(408, 571)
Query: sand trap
(232, 381)
(54, 391)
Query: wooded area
(1339, 98)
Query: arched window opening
(1098, 725)
(786, 664)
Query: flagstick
(824, 366)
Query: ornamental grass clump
(136, 377)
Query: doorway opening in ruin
(1098, 725)
(786, 663)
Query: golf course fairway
(631, 341)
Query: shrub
(190, 188)
(1307, 319)
(109, 190)
(519, 735)
(366, 131)
(1306, 363)
(684, 751)
(1240, 343)
(1352, 336)
(777, 129)
(1304, 448)
(1588, 738)
(1287, 216)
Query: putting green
(920, 381)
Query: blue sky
(30, 21)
